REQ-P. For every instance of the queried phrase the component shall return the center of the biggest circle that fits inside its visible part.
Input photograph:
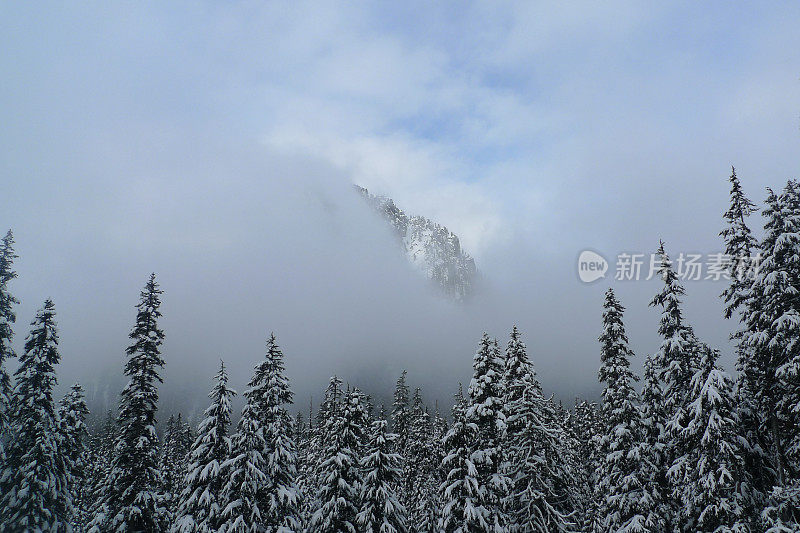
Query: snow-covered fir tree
(462, 509)
(438, 430)
(420, 486)
(711, 470)
(381, 510)
(133, 497)
(623, 503)
(369, 408)
(74, 436)
(768, 302)
(677, 361)
(172, 463)
(758, 476)
(330, 406)
(187, 439)
(542, 497)
(772, 329)
(788, 328)
(486, 411)
(676, 357)
(243, 499)
(200, 509)
(338, 497)
(282, 512)
(517, 367)
(401, 412)
(655, 460)
(301, 431)
(585, 428)
(304, 437)
(100, 453)
(739, 245)
(7, 319)
(256, 487)
(35, 495)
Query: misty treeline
(686, 447)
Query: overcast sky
(214, 143)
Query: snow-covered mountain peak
(431, 248)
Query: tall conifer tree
(420, 485)
(542, 469)
(74, 439)
(401, 412)
(655, 460)
(771, 334)
(486, 411)
(711, 469)
(462, 510)
(260, 493)
(35, 495)
(740, 245)
(623, 502)
(7, 319)
(340, 478)
(133, 494)
(283, 497)
(381, 510)
(200, 508)
(101, 450)
(677, 361)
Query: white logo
(591, 266)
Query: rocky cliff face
(431, 248)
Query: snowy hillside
(431, 248)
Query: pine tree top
(486, 388)
(145, 351)
(72, 415)
(401, 393)
(517, 364)
(739, 243)
(615, 354)
(42, 341)
(269, 381)
(677, 356)
(7, 301)
(669, 298)
(459, 407)
(741, 207)
(221, 391)
(35, 376)
(7, 256)
(331, 401)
